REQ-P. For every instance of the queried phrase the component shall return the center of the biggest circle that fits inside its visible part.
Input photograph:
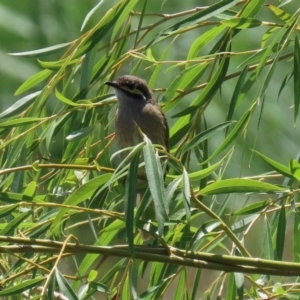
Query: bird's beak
(112, 83)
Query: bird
(136, 106)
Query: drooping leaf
(240, 185)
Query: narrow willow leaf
(86, 70)
(19, 106)
(56, 65)
(170, 190)
(181, 133)
(191, 76)
(231, 137)
(280, 236)
(33, 81)
(158, 67)
(156, 183)
(10, 228)
(82, 193)
(134, 279)
(141, 18)
(296, 78)
(202, 136)
(14, 197)
(285, 171)
(239, 185)
(268, 252)
(21, 287)
(296, 242)
(280, 36)
(8, 209)
(208, 92)
(80, 134)
(89, 14)
(295, 169)
(239, 283)
(181, 285)
(281, 14)
(231, 288)
(126, 289)
(203, 40)
(30, 189)
(130, 200)
(252, 208)
(63, 99)
(121, 19)
(186, 193)
(236, 93)
(19, 122)
(252, 8)
(285, 80)
(43, 51)
(196, 284)
(195, 176)
(242, 23)
(64, 286)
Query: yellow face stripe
(133, 91)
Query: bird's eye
(131, 86)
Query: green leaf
(280, 236)
(281, 14)
(296, 78)
(43, 51)
(231, 288)
(285, 171)
(240, 185)
(196, 284)
(82, 193)
(252, 8)
(9, 229)
(56, 65)
(204, 135)
(252, 208)
(8, 209)
(242, 23)
(156, 183)
(21, 287)
(33, 81)
(80, 134)
(295, 169)
(203, 40)
(90, 13)
(19, 106)
(64, 286)
(121, 19)
(14, 197)
(239, 283)
(268, 252)
(141, 19)
(296, 242)
(238, 91)
(210, 90)
(20, 122)
(63, 99)
(130, 200)
(186, 191)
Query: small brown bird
(136, 105)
